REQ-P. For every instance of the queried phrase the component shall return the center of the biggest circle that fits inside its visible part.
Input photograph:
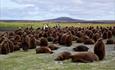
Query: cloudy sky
(46, 9)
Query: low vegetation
(40, 24)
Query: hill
(63, 19)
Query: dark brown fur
(11, 46)
(109, 34)
(113, 31)
(110, 41)
(5, 47)
(99, 49)
(25, 44)
(62, 39)
(68, 40)
(96, 36)
(32, 42)
(16, 47)
(81, 48)
(84, 57)
(53, 47)
(43, 42)
(79, 40)
(43, 50)
(105, 35)
(50, 39)
(88, 41)
(63, 56)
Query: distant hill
(68, 19)
(63, 19)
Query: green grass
(31, 61)
(40, 24)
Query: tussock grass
(40, 24)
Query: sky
(49, 9)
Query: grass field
(21, 60)
(40, 24)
